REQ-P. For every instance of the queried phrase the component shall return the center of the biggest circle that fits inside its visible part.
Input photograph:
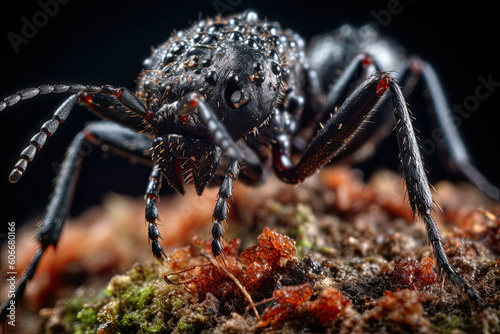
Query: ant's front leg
(222, 206)
(336, 133)
(341, 127)
(152, 195)
(119, 140)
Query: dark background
(100, 42)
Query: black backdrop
(105, 42)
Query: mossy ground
(367, 265)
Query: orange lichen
(293, 295)
(205, 277)
(261, 261)
(180, 258)
(272, 249)
(411, 274)
(293, 304)
(255, 269)
(401, 311)
(289, 299)
(329, 305)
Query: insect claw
(222, 256)
(217, 247)
(158, 250)
(15, 175)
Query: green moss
(137, 297)
(452, 323)
(88, 320)
(186, 327)
(73, 307)
(157, 327)
(138, 302)
(131, 321)
(108, 292)
(177, 304)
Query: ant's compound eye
(235, 96)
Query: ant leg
(39, 139)
(360, 147)
(336, 133)
(221, 207)
(120, 140)
(192, 101)
(455, 147)
(256, 164)
(152, 195)
(410, 73)
(340, 129)
(126, 98)
(177, 156)
(84, 93)
(417, 187)
(101, 133)
(109, 108)
(353, 74)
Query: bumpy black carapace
(234, 98)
